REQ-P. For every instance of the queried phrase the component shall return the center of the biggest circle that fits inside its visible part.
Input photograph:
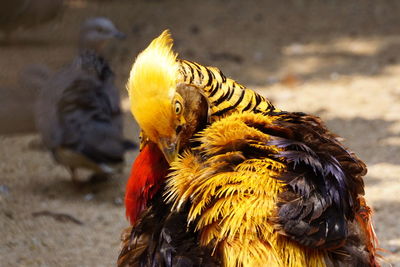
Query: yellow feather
(234, 209)
(151, 86)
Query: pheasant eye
(178, 108)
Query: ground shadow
(368, 138)
(386, 214)
(62, 188)
(259, 31)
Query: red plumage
(364, 218)
(147, 175)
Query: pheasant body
(251, 186)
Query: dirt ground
(336, 59)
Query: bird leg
(98, 178)
(74, 176)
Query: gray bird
(15, 14)
(78, 110)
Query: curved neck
(224, 95)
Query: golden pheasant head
(155, 103)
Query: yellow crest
(152, 84)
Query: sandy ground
(336, 59)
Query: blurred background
(337, 59)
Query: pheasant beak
(169, 147)
(119, 35)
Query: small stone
(295, 49)
(394, 248)
(258, 56)
(392, 60)
(118, 201)
(272, 80)
(4, 189)
(194, 29)
(88, 197)
(334, 76)
(9, 214)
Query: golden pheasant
(226, 179)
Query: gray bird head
(96, 32)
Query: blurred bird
(226, 179)
(15, 14)
(78, 110)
